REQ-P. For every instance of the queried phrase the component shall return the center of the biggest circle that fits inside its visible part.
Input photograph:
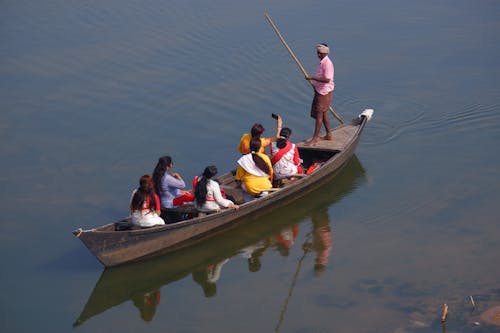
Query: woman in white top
(207, 193)
(145, 204)
(285, 156)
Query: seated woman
(207, 193)
(255, 172)
(285, 156)
(168, 186)
(257, 131)
(145, 204)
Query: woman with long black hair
(167, 185)
(207, 193)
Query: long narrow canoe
(113, 247)
(118, 285)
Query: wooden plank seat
(233, 193)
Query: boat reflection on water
(141, 282)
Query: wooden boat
(112, 247)
(118, 285)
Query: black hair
(284, 136)
(255, 145)
(257, 130)
(159, 172)
(200, 191)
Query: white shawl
(247, 163)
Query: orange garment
(244, 146)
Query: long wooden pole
(297, 60)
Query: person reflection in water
(286, 238)
(254, 252)
(322, 240)
(146, 303)
(208, 277)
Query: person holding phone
(257, 131)
(323, 90)
(285, 156)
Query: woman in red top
(145, 204)
(285, 156)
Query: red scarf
(281, 153)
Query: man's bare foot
(327, 136)
(312, 142)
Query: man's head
(322, 50)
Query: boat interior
(312, 159)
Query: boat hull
(113, 248)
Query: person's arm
(132, 198)
(279, 124)
(296, 157)
(267, 141)
(157, 204)
(175, 180)
(221, 201)
(318, 78)
(244, 146)
(325, 74)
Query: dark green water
(92, 93)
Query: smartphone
(274, 115)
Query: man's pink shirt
(325, 69)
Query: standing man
(323, 90)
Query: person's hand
(234, 206)
(176, 175)
(279, 121)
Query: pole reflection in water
(141, 282)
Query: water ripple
(396, 118)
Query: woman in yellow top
(256, 132)
(255, 172)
